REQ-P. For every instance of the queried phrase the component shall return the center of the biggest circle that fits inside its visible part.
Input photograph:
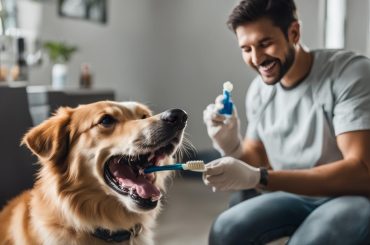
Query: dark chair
(17, 164)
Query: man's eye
(265, 44)
(246, 50)
(107, 121)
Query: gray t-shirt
(298, 127)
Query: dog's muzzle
(124, 173)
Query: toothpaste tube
(227, 110)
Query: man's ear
(294, 32)
(50, 139)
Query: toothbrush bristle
(197, 165)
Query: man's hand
(228, 173)
(223, 131)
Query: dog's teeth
(132, 191)
(124, 188)
(120, 160)
(155, 198)
(152, 155)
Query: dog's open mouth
(124, 173)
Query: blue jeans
(308, 221)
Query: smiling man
(266, 50)
(307, 141)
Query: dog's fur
(71, 197)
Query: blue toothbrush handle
(177, 166)
(228, 104)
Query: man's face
(266, 49)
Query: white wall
(166, 53)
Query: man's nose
(256, 56)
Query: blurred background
(164, 53)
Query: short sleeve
(352, 97)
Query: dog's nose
(175, 117)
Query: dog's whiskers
(187, 149)
(164, 198)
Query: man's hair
(281, 12)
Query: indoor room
(173, 57)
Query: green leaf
(59, 52)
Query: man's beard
(284, 67)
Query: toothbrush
(227, 110)
(197, 166)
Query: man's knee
(354, 211)
(351, 209)
(332, 219)
(226, 230)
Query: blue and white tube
(227, 110)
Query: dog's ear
(50, 139)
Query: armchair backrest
(17, 165)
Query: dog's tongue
(128, 178)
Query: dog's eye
(107, 121)
(144, 116)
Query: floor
(188, 213)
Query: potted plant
(59, 54)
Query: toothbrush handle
(177, 166)
(228, 104)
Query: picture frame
(90, 10)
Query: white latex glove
(228, 173)
(223, 131)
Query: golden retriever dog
(91, 188)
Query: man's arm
(254, 153)
(349, 176)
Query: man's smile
(267, 67)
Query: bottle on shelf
(85, 76)
(21, 60)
